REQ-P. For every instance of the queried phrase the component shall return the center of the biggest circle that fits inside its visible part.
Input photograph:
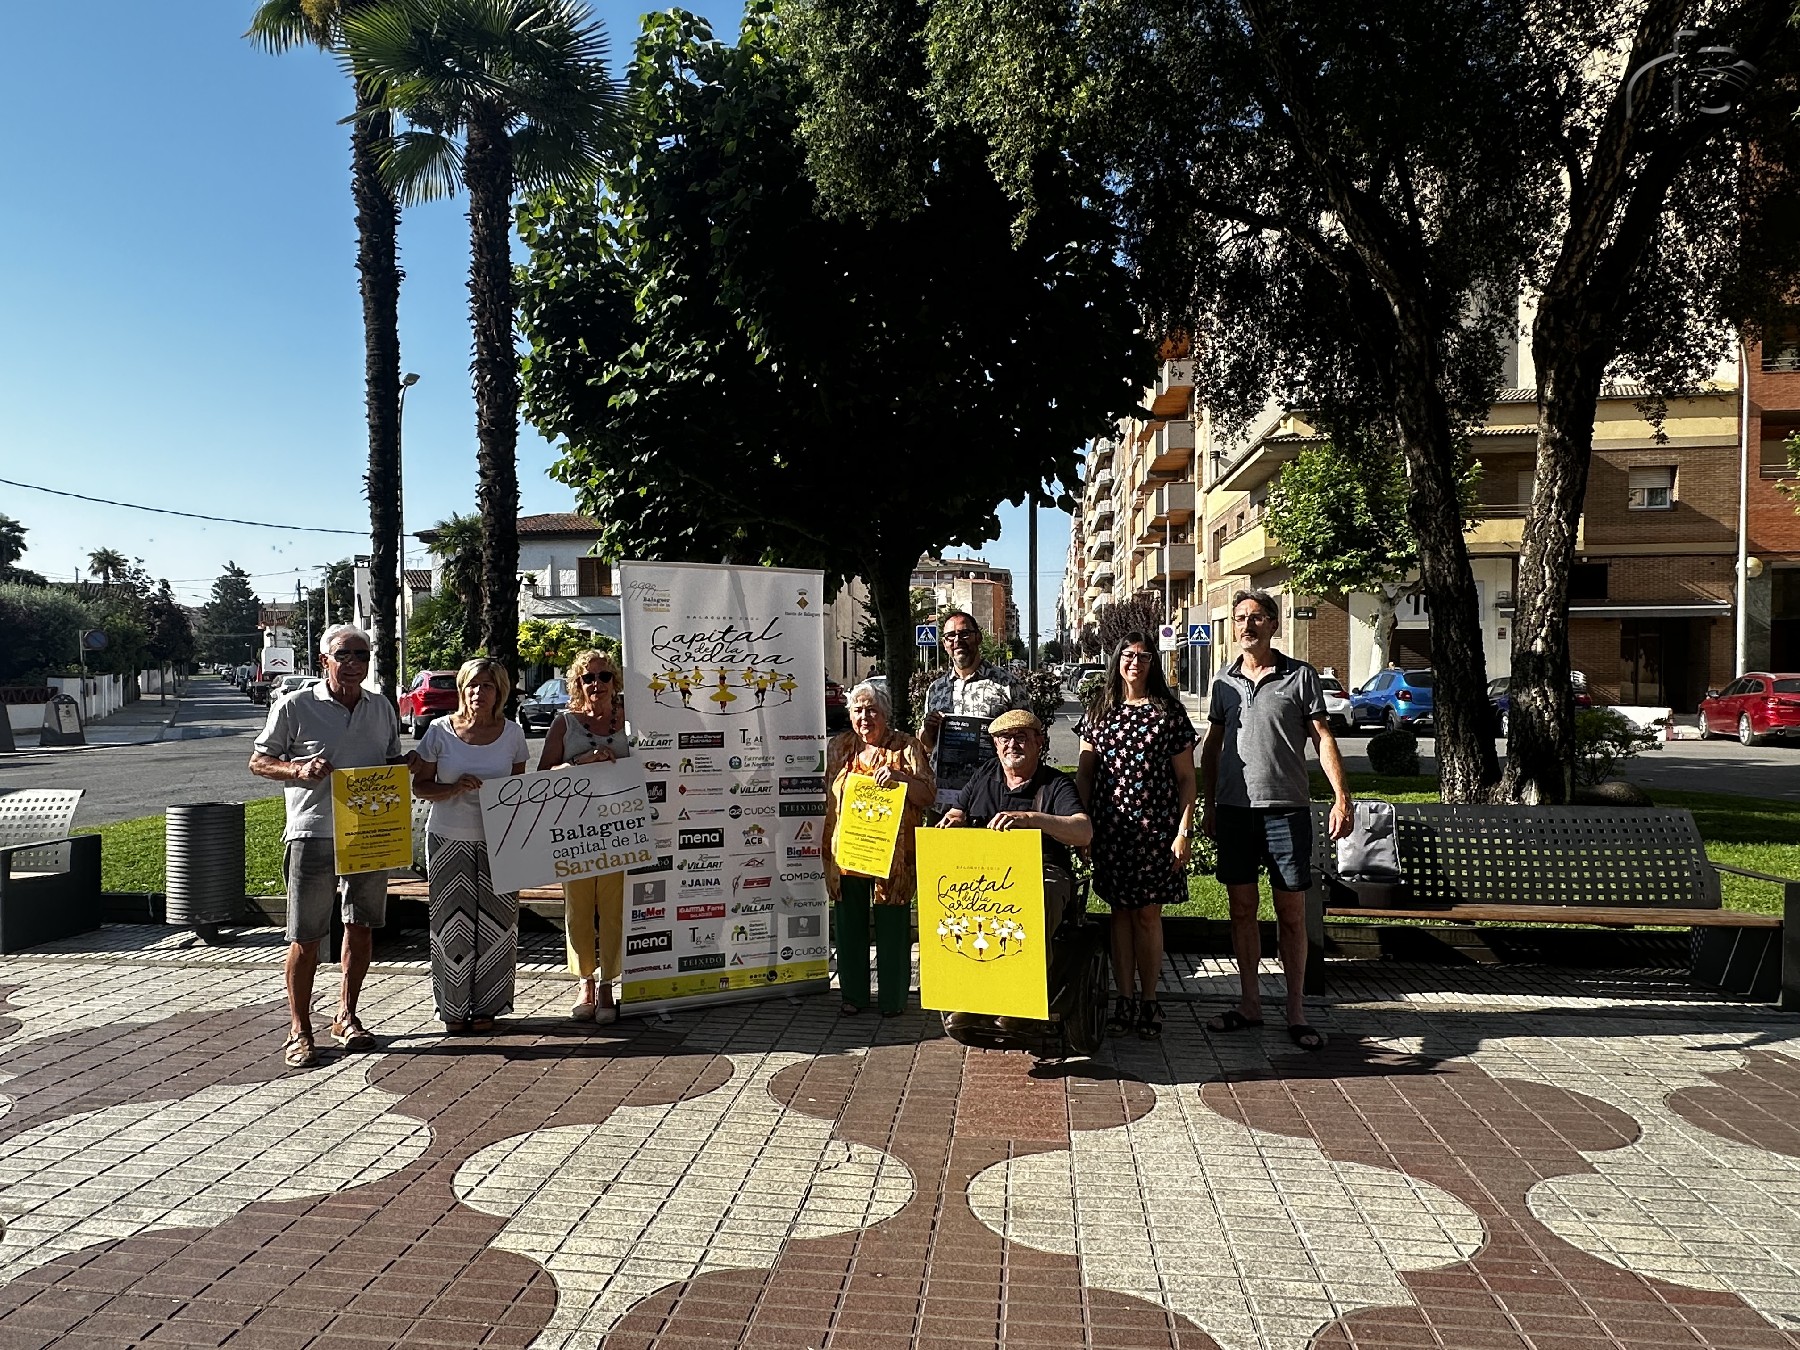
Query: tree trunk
(488, 175)
(1540, 742)
(1382, 628)
(1467, 768)
(890, 587)
(377, 263)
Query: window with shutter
(593, 576)
(1651, 488)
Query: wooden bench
(1621, 867)
(49, 883)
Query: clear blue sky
(179, 319)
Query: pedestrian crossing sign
(1199, 635)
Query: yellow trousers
(594, 925)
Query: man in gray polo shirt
(1264, 708)
(336, 724)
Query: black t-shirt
(987, 795)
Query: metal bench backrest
(1545, 855)
(32, 815)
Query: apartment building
(1653, 618)
(973, 585)
(1769, 631)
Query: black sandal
(1150, 1020)
(1124, 1016)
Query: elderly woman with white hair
(875, 749)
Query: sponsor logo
(804, 833)
(649, 892)
(801, 953)
(690, 912)
(701, 839)
(803, 902)
(656, 740)
(803, 808)
(787, 737)
(753, 930)
(699, 764)
(802, 852)
(697, 886)
(814, 875)
(702, 740)
(752, 787)
(739, 812)
(747, 737)
(755, 836)
(653, 968)
(649, 913)
(663, 863)
(648, 596)
(656, 766)
(660, 941)
(703, 937)
(801, 784)
(813, 762)
(803, 925)
(753, 863)
(700, 812)
(657, 791)
(710, 790)
(752, 906)
(655, 814)
(749, 884)
(700, 865)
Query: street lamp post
(407, 381)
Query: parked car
(538, 709)
(1337, 703)
(837, 706)
(292, 684)
(1078, 673)
(1499, 693)
(1753, 707)
(431, 694)
(1393, 699)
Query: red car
(1753, 707)
(431, 694)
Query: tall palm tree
(498, 95)
(107, 565)
(456, 543)
(279, 26)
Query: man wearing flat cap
(1016, 790)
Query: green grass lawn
(1755, 832)
(131, 851)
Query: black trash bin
(204, 844)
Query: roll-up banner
(725, 694)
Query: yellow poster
(982, 931)
(371, 818)
(868, 826)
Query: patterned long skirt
(474, 932)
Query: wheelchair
(1077, 973)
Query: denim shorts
(1279, 838)
(313, 884)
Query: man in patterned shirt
(970, 688)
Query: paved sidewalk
(141, 723)
(1482, 1158)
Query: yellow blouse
(900, 752)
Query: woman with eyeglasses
(1136, 779)
(591, 732)
(474, 930)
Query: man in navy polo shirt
(1265, 707)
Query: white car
(1337, 704)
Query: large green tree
(12, 541)
(498, 95)
(1332, 200)
(736, 375)
(1675, 226)
(281, 25)
(228, 630)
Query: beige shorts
(312, 882)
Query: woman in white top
(474, 932)
(591, 732)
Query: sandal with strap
(1150, 1020)
(299, 1052)
(350, 1033)
(1232, 1019)
(1124, 1017)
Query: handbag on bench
(1368, 858)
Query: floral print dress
(1137, 803)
